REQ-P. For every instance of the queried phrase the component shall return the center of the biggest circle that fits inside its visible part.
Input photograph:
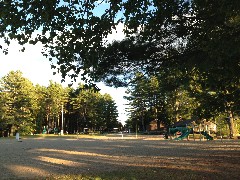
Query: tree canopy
(189, 32)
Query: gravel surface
(35, 158)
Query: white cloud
(37, 69)
(31, 62)
(117, 34)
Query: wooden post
(193, 132)
(136, 131)
(221, 134)
(200, 132)
(17, 136)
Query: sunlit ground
(117, 157)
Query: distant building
(209, 126)
(183, 123)
(153, 125)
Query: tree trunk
(158, 125)
(143, 125)
(231, 125)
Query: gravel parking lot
(36, 158)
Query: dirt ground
(38, 158)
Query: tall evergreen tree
(94, 111)
(18, 93)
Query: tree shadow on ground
(118, 159)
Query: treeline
(169, 96)
(33, 108)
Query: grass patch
(135, 174)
